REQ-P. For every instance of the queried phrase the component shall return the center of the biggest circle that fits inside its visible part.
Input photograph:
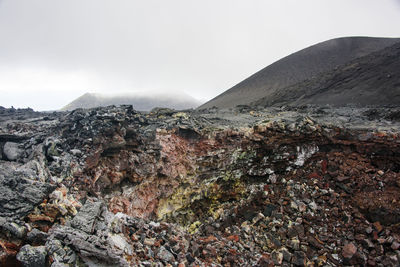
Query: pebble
(395, 245)
(277, 257)
(378, 226)
(313, 205)
(165, 255)
(349, 250)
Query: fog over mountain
(140, 101)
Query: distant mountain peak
(140, 101)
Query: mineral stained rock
(241, 187)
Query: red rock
(381, 240)
(63, 190)
(51, 211)
(93, 160)
(233, 251)
(233, 238)
(134, 238)
(378, 226)
(375, 235)
(324, 166)
(349, 250)
(314, 175)
(209, 239)
(157, 243)
(342, 178)
(265, 261)
(148, 242)
(8, 252)
(39, 217)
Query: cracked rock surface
(304, 186)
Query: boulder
(12, 151)
(32, 256)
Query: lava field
(111, 186)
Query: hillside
(143, 102)
(300, 66)
(370, 80)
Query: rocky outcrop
(245, 187)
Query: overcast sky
(52, 51)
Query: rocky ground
(306, 186)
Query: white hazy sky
(52, 51)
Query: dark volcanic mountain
(308, 64)
(370, 80)
(143, 102)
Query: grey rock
(20, 194)
(12, 151)
(119, 242)
(56, 250)
(36, 236)
(58, 264)
(299, 258)
(269, 208)
(32, 256)
(76, 152)
(164, 255)
(37, 167)
(94, 249)
(313, 205)
(287, 256)
(277, 257)
(294, 243)
(54, 246)
(154, 224)
(60, 253)
(16, 230)
(35, 170)
(87, 216)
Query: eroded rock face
(115, 187)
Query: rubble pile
(304, 186)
